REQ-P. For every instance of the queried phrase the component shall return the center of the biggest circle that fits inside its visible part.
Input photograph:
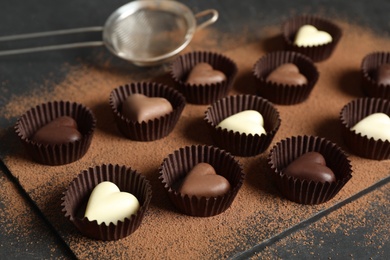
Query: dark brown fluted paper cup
(318, 52)
(361, 145)
(208, 93)
(60, 154)
(153, 129)
(369, 67)
(76, 197)
(303, 191)
(175, 167)
(281, 93)
(242, 144)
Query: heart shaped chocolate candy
(203, 181)
(308, 35)
(204, 73)
(310, 166)
(61, 130)
(108, 204)
(375, 126)
(383, 74)
(245, 122)
(138, 107)
(287, 74)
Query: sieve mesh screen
(149, 33)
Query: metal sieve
(143, 32)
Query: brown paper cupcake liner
(369, 66)
(41, 115)
(77, 194)
(175, 167)
(208, 93)
(234, 142)
(153, 129)
(361, 145)
(303, 191)
(316, 53)
(282, 93)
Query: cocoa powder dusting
(341, 225)
(23, 223)
(258, 211)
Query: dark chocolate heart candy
(204, 73)
(138, 107)
(287, 74)
(61, 130)
(383, 74)
(203, 181)
(310, 166)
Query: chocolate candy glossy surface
(310, 166)
(203, 181)
(287, 74)
(204, 73)
(61, 130)
(383, 74)
(138, 107)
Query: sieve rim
(131, 8)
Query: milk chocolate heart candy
(287, 74)
(310, 166)
(61, 130)
(375, 126)
(204, 73)
(308, 35)
(108, 204)
(203, 181)
(138, 107)
(247, 122)
(383, 74)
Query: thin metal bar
(52, 47)
(50, 33)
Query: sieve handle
(51, 47)
(214, 17)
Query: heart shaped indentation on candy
(287, 74)
(245, 122)
(203, 181)
(204, 73)
(61, 130)
(138, 107)
(108, 204)
(310, 166)
(308, 35)
(376, 126)
(383, 74)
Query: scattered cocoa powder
(258, 211)
(27, 232)
(349, 221)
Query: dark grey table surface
(18, 71)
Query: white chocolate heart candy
(375, 126)
(308, 35)
(245, 122)
(108, 204)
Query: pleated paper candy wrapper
(177, 164)
(242, 144)
(57, 154)
(304, 191)
(360, 144)
(205, 93)
(370, 64)
(317, 52)
(77, 194)
(284, 94)
(152, 129)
